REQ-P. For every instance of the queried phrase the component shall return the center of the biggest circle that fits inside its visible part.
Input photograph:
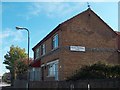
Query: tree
(14, 59)
(22, 67)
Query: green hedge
(97, 71)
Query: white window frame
(42, 65)
(51, 68)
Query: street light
(23, 28)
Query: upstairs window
(43, 50)
(37, 53)
(55, 42)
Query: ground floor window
(53, 69)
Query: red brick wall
(119, 42)
(82, 30)
(51, 55)
(91, 32)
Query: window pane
(43, 49)
(52, 70)
(37, 53)
(55, 41)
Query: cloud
(53, 9)
(9, 33)
(9, 37)
(4, 35)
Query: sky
(41, 18)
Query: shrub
(97, 71)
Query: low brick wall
(108, 84)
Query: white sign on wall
(77, 48)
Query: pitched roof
(57, 28)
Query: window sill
(42, 55)
(50, 76)
(36, 58)
(55, 48)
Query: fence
(84, 84)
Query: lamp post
(23, 28)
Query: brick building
(82, 40)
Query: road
(3, 84)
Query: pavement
(2, 84)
